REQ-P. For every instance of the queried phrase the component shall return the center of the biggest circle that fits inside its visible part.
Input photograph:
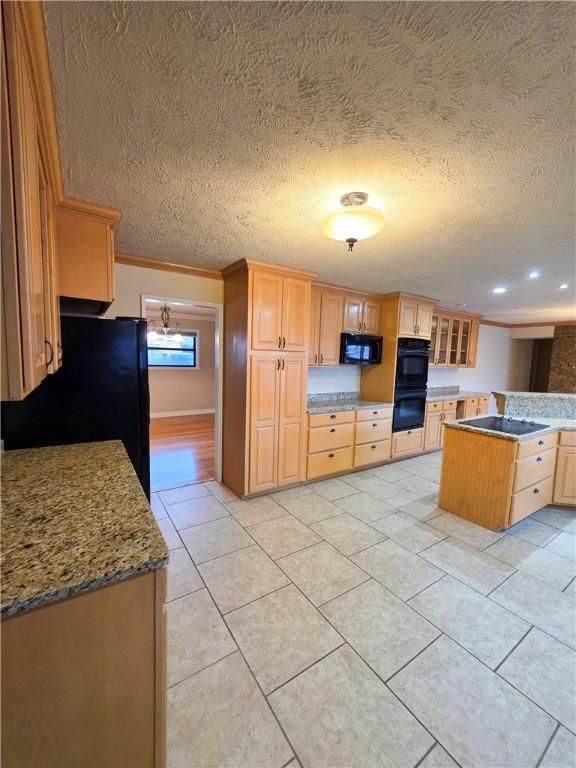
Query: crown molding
(540, 324)
(166, 266)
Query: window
(173, 350)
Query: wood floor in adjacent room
(181, 451)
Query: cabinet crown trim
(76, 206)
(261, 266)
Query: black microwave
(360, 349)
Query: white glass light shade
(354, 221)
(152, 335)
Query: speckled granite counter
(551, 425)
(451, 393)
(553, 405)
(74, 517)
(341, 401)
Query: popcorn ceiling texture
(563, 362)
(228, 130)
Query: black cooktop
(509, 426)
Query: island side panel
(79, 681)
(477, 476)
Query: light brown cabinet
(361, 315)
(453, 341)
(415, 318)
(433, 429)
(565, 478)
(325, 328)
(280, 312)
(407, 442)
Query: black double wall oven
(410, 385)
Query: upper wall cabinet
(280, 312)
(361, 315)
(85, 243)
(415, 318)
(454, 340)
(30, 321)
(325, 328)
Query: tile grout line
(569, 583)
(511, 651)
(547, 747)
(305, 669)
(206, 666)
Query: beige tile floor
(352, 622)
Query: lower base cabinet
(372, 453)
(407, 442)
(565, 477)
(84, 679)
(329, 462)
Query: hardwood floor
(181, 451)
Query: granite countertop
(541, 405)
(538, 395)
(74, 517)
(344, 404)
(433, 397)
(551, 426)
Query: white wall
(344, 378)
(179, 391)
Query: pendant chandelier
(354, 221)
(164, 325)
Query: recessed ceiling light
(533, 275)
(564, 285)
(499, 289)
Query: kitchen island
(495, 474)
(83, 624)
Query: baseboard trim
(167, 414)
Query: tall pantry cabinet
(266, 338)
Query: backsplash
(343, 378)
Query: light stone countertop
(333, 406)
(74, 517)
(551, 425)
(463, 395)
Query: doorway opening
(184, 383)
(540, 367)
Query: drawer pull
(333, 429)
(372, 446)
(539, 458)
(330, 455)
(374, 413)
(374, 425)
(540, 442)
(333, 416)
(536, 490)
(409, 432)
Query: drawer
(327, 438)
(568, 438)
(536, 445)
(484, 400)
(329, 462)
(431, 407)
(449, 405)
(371, 453)
(371, 431)
(369, 414)
(411, 441)
(533, 469)
(471, 401)
(531, 499)
(323, 419)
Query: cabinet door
(353, 312)
(313, 344)
(454, 341)
(424, 321)
(330, 328)
(25, 168)
(444, 332)
(292, 420)
(371, 321)
(264, 408)
(464, 344)
(446, 416)
(565, 477)
(433, 429)
(408, 315)
(266, 311)
(51, 303)
(473, 345)
(295, 314)
(434, 337)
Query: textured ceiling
(228, 130)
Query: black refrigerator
(99, 393)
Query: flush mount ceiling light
(499, 289)
(534, 274)
(164, 325)
(354, 221)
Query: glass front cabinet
(453, 341)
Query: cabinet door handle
(372, 446)
(49, 345)
(332, 415)
(278, 363)
(333, 429)
(409, 432)
(359, 326)
(539, 458)
(374, 413)
(364, 326)
(279, 341)
(536, 490)
(283, 363)
(374, 425)
(540, 442)
(321, 358)
(330, 455)
(283, 342)
(315, 358)
(59, 347)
